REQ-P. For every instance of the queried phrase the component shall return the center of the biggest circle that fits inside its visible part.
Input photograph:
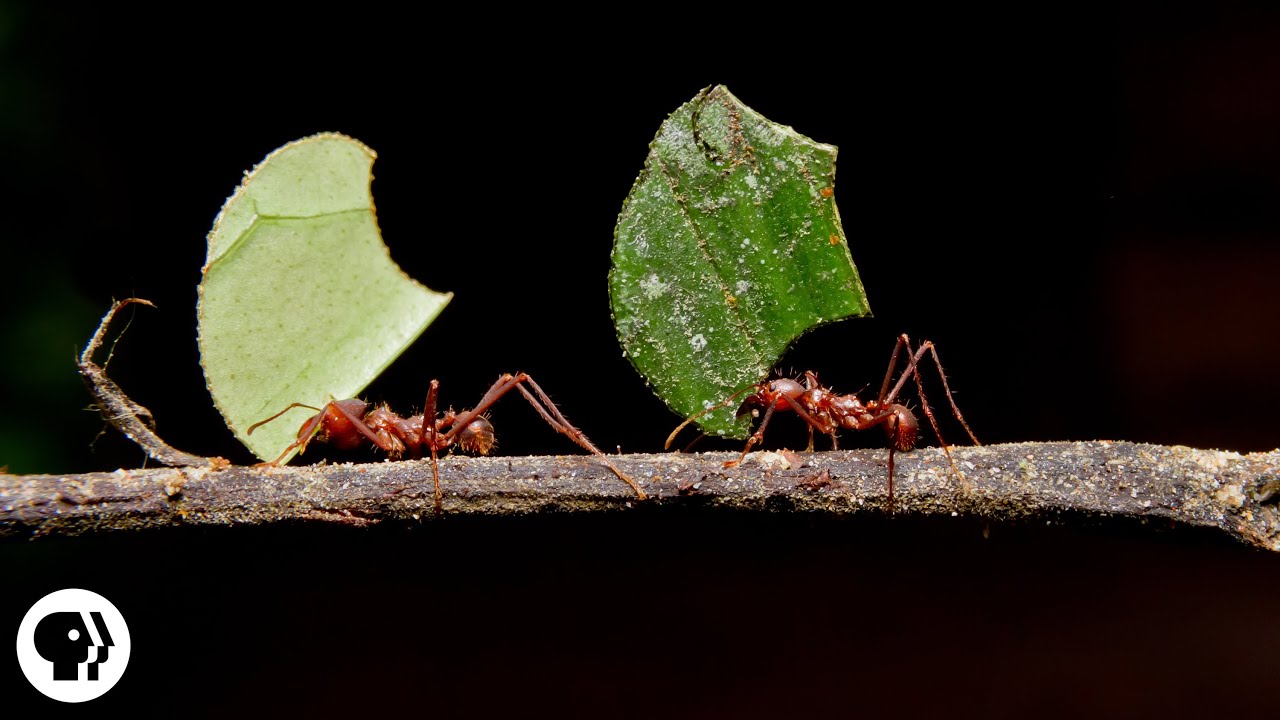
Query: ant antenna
(723, 404)
(257, 425)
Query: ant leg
(891, 418)
(563, 425)
(884, 395)
(928, 412)
(755, 438)
(811, 382)
(299, 443)
(835, 444)
(500, 387)
(913, 362)
(812, 422)
(955, 410)
(893, 446)
(429, 436)
(305, 433)
(913, 369)
(549, 412)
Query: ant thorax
(394, 432)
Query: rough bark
(1234, 493)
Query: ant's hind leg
(885, 395)
(549, 412)
(429, 437)
(955, 409)
(914, 369)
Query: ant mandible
(349, 424)
(827, 411)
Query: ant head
(335, 427)
(477, 437)
(772, 393)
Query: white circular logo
(73, 645)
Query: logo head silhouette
(62, 639)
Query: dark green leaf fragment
(728, 248)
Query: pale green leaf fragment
(300, 301)
(728, 248)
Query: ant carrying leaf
(828, 412)
(349, 424)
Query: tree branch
(1234, 493)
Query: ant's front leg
(756, 437)
(305, 433)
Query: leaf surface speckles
(728, 248)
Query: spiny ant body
(350, 424)
(828, 412)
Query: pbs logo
(73, 645)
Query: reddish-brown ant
(828, 412)
(349, 424)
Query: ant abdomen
(904, 430)
(477, 437)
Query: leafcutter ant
(827, 412)
(349, 424)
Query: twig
(124, 414)
(1234, 493)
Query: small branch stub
(123, 413)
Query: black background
(1081, 210)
